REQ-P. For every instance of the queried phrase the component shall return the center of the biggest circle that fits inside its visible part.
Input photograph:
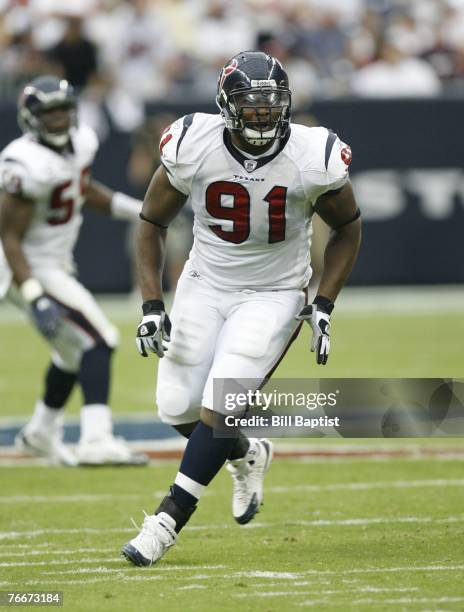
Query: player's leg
(254, 338)
(43, 434)
(85, 345)
(196, 321)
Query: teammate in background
(254, 184)
(45, 181)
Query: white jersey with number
(55, 183)
(252, 224)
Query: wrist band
(324, 303)
(125, 207)
(152, 306)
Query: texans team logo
(228, 70)
(346, 155)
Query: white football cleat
(156, 536)
(48, 444)
(108, 450)
(248, 479)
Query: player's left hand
(318, 316)
(154, 330)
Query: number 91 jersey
(252, 215)
(55, 183)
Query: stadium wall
(407, 173)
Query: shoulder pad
(183, 145)
(21, 169)
(322, 157)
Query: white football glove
(318, 316)
(154, 330)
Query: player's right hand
(47, 316)
(154, 330)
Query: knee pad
(173, 402)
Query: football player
(45, 181)
(254, 181)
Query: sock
(44, 418)
(94, 374)
(58, 386)
(204, 454)
(203, 457)
(95, 421)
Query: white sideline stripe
(365, 486)
(314, 523)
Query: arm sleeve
(176, 154)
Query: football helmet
(36, 101)
(254, 98)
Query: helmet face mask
(47, 109)
(254, 98)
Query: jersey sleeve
(17, 179)
(338, 158)
(325, 161)
(177, 153)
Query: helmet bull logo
(228, 70)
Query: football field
(353, 525)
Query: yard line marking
(187, 587)
(69, 551)
(59, 562)
(365, 486)
(126, 567)
(132, 577)
(355, 486)
(306, 523)
(408, 600)
(50, 499)
(424, 568)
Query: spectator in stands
(75, 54)
(395, 74)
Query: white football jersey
(252, 224)
(56, 184)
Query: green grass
(402, 551)
(379, 546)
(372, 345)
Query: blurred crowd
(124, 53)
